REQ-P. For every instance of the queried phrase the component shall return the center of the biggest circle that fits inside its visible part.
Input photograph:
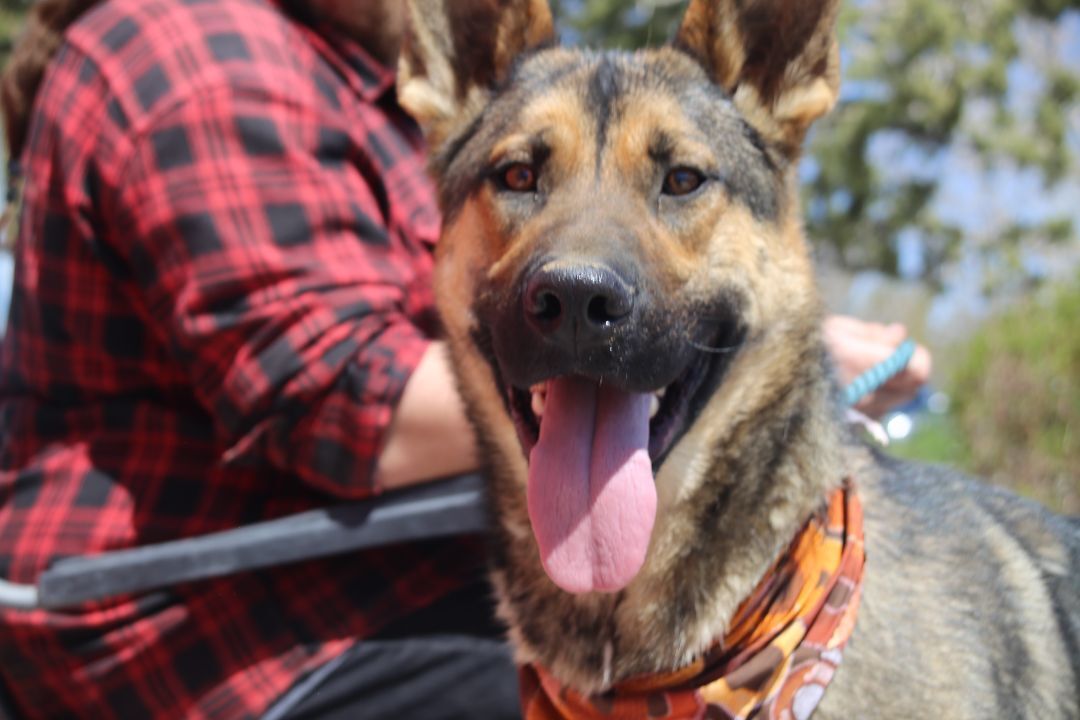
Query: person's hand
(857, 345)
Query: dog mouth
(593, 447)
(670, 408)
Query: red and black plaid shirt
(222, 286)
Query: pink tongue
(592, 498)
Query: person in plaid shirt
(221, 315)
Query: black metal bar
(440, 509)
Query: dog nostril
(546, 306)
(604, 310)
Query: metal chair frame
(454, 506)
(448, 507)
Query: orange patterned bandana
(783, 646)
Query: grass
(935, 439)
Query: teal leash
(880, 374)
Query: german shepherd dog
(632, 315)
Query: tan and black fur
(971, 604)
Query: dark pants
(446, 661)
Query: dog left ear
(456, 51)
(778, 59)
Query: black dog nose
(577, 304)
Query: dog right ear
(456, 52)
(778, 59)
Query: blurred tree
(620, 24)
(1017, 399)
(924, 81)
(11, 14)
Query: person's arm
(260, 245)
(429, 435)
(857, 345)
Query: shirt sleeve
(259, 239)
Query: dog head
(621, 249)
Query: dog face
(620, 245)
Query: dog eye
(682, 181)
(519, 177)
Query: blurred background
(943, 193)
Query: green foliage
(12, 13)
(932, 78)
(935, 439)
(1016, 399)
(617, 23)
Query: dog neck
(759, 461)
